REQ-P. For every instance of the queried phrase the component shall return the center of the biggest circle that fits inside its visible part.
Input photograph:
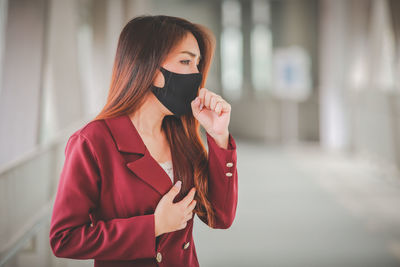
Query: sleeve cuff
(231, 142)
(226, 156)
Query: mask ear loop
(167, 76)
(160, 89)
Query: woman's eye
(186, 62)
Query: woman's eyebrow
(190, 53)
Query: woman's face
(184, 58)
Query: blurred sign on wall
(291, 73)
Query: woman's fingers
(226, 107)
(192, 205)
(207, 99)
(202, 93)
(214, 101)
(211, 101)
(189, 210)
(188, 216)
(218, 108)
(188, 198)
(219, 105)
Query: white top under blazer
(167, 166)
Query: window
(261, 45)
(383, 46)
(231, 49)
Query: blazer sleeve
(222, 182)
(73, 233)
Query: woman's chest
(132, 185)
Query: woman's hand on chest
(171, 216)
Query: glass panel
(261, 45)
(383, 46)
(231, 48)
(3, 22)
(261, 49)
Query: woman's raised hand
(212, 111)
(171, 216)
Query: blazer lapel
(128, 140)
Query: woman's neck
(148, 118)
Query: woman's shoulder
(93, 131)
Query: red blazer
(109, 188)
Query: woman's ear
(159, 81)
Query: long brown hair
(143, 45)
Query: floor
(305, 207)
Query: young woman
(134, 176)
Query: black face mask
(178, 92)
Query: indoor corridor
(314, 91)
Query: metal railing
(27, 191)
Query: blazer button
(229, 174)
(229, 164)
(186, 245)
(159, 257)
(91, 224)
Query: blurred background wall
(298, 73)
